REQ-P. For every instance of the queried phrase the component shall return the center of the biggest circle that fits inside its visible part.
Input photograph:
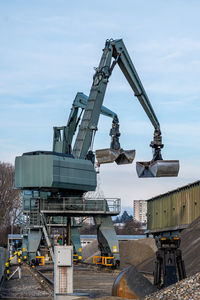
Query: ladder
(34, 212)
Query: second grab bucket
(158, 168)
(121, 157)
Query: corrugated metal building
(174, 210)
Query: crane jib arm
(117, 50)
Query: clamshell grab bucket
(121, 157)
(159, 168)
(125, 157)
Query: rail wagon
(174, 210)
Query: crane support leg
(169, 266)
(107, 239)
(76, 242)
(34, 238)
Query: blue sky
(48, 51)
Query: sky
(48, 52)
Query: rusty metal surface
(132, 285)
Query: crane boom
(157, 167)
(117, 50)
(126, 65)
(92, 112)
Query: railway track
(45, 282)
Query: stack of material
(190, 245)
(131, 252)
(136, 251)
(89, 251)
(188, 288)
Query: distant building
(140, 211)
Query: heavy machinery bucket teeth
(121, 157)
(159, 168)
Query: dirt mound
(90, 250)
(131, 252)
(190, 246)
(136, 251)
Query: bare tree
(10, 200)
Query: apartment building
(140, 210)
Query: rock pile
(136, 251)
(187, 289)
(131, 252)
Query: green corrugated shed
(175, 209)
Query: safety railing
(81, 205)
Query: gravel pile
(190, 245)
(136, 251)
(188, 288)
(89, 251)
(131, 252)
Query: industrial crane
(81, 159)
(67, 174)
(157, 167)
